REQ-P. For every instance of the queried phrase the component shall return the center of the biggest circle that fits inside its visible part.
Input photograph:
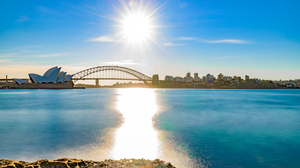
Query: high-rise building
(178, 79)
(188, 75)
(220, 76)
(227, 78)
(247, 77)
(209, 78)
(169, 78)
(186, 79)
(195, 75)
(237, 78)
(155, 80)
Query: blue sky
(257, 38)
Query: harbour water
(187, 127)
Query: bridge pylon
(97, 82)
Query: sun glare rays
(137, 28)
(136, 31)
(136, 24)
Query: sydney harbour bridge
(110, 73)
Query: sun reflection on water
(136, 138)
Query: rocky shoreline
(79, 163)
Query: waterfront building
(186, 79)
(247, 77)
(179, 79)
(209, 78)
(169, 78)
(188, 75)
(227, 78)
(237, 78)
(195, 75)
(155, 80)
(220, 76)
(20, 81)
(197, 79)
(53, 76)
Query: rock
(63, 159)
(54, 164)
(42, 161)
(5, 162)
(79, 163)
(72, 164)
(18, 165)
(169, 165)
(9, 166)
(30, 166)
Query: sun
(137, 28)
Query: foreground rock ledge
(78, 163)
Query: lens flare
(137, 27)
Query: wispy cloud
(123, 62)
(37, 55)
(232, 57)
(89, 6)
(187, 38)
(8, 55)
(234, 41)
(23, 18)
(103, 39)
(169, 44)
(2, 61)
(229, 41)
(183, 4)
(35, 46)
(48, 11)
(21, 48)
(51, 55)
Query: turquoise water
(213, 128)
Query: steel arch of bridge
(84, 73)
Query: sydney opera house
(52, 78)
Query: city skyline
(259, 39)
